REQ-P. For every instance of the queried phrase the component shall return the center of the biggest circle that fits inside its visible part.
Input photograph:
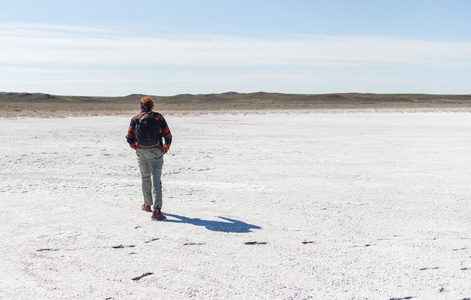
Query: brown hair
(146, 103)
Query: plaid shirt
(165, 132)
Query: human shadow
(228, 225)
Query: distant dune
(43, 105)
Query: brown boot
(158, 215)
(146, 208)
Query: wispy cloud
(96, 61)
(52, 44)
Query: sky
(121, 47)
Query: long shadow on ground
(228, 225)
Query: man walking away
(150, 136)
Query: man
(150, 154)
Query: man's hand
(166, 148)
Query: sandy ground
(13, 105)
(302, 205)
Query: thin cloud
(93, 61)
(52, 44)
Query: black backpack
(148, 131)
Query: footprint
(142, 276)
(255, 243)
(121, 246)
(47, 249)
(424, 269)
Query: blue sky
(115, 48)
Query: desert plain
(268, 196)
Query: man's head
(146, 103)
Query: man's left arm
(131, 136)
